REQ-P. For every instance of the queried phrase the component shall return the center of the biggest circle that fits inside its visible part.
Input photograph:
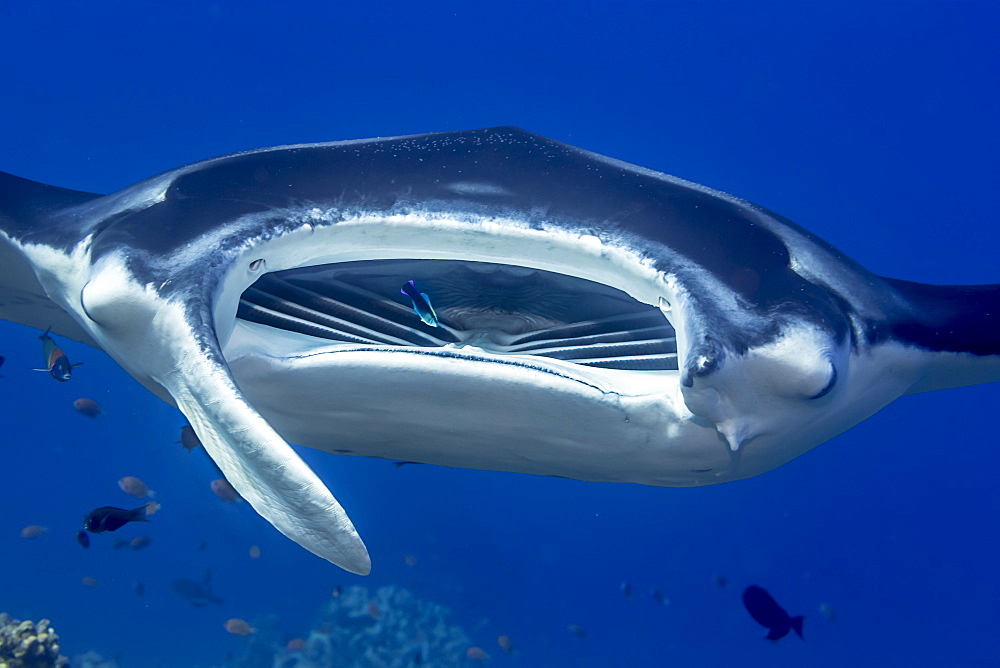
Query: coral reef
(93, 660)
(28, 645)
(393, 628)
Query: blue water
(874, 125)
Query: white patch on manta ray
(152, 339)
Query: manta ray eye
(829, 385)
(257, 265)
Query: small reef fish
(152, 507)
(659, 597)
(222, 489)
(337, 591)
(827, 611)
(505, 644)
(87, 407)
(766, 612)
(89, 582)
(296, 644)
(254, 552)
(239, 627)
(33, 531)
(421, 304)
(578, 631)
(83, 538)
(140, 542)
(189, 439)
(197, 594)
(134, 487)
(626, 590)
(108, 518)
(411, 561)
(373, 610)
(56, 362)
(721, 581)
(139, 588)
(476, 654)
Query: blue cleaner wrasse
(56, 362)
(421, 304)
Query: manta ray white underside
(597, 320)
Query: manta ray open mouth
(499, 309)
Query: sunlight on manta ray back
(641, 328)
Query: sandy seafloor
(873, 125)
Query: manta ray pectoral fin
(267, 472)
(263, 467)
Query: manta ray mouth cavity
(506, 310)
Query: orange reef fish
(140, 542)
(33, 531)
(134, 487)
(239, 627)
(505, 644)
(109, 518)
(225, 491)
(476, 654)
(56, 362)
(87, 407)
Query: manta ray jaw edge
(436, 236)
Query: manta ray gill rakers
(591, 319)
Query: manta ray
(591, 319)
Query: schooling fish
(766, 612)
(421, 304)
(198, 594)
(108, 518)
(56, 362)
(189, 439)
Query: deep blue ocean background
(874, 125)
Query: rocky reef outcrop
(28, 645)
(391, 629)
